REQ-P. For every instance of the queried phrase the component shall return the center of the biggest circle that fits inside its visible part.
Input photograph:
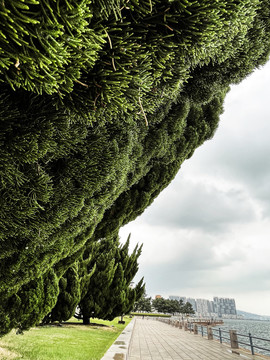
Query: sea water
(257, 328)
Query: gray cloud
(191, 204)
(172, 279)
(239, 151)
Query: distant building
(193, 303)
(211, 307)
(224, 307)
(204, 307)
(221, 307)
(158, 297)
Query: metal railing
(232, 337)
(248, 342)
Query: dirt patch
(5, 354)
(80, 324)
(119, 357)
(120, 342)
(75, 324)
(86, 327)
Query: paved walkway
(154, 340)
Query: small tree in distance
(168, 306)
(187, 309)
(143, 304)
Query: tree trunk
(86, 320)
(121, 321)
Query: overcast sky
(208, 232)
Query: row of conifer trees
(100, 103)
(100, 285)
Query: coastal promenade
(155, 340)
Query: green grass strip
(71, 341)
(150, 314)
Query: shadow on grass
(66, 324)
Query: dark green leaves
(100, 104)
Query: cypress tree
(121, 295)
(100, 104)
(108, 293)
(143, 303)
(93, 298)
(68, 298)
(28, 305)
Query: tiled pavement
(154, 340)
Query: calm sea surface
(256, 328)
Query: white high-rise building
(224, 306)
(221, 307)
(203, 307)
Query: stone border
(119, 349)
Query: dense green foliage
(109, 293)
(99, 284)
(161, 305)
(187, 308)
(100, 103)
(167, 306)
(144, 303)
(69, 296)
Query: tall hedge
(100, 103)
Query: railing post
(251, 343)
(234, 340)
(220, 335)
(195, 329)
(186, 326)
(209, 333)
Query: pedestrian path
(154, 340)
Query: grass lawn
(72, 341)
